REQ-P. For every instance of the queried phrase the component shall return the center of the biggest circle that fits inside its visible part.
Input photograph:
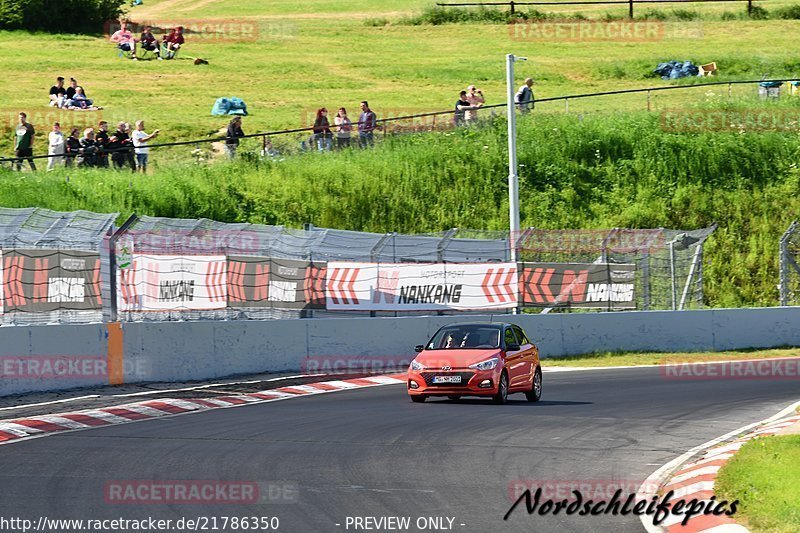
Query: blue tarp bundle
(229, 106)
(672, 70)
(770, 84)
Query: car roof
(476, 324)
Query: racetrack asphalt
(371, 452)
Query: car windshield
(460, 337)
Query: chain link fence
(79, 267)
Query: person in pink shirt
(124, 39)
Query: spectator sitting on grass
(148, 42)
(140, 139)
(124, 39)
(79, 101)
(57, 93)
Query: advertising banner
(173, 283)
(592, 285)
(40, 281)
(420, 287)
(276, 283)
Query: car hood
(436, 359)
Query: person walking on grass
(140, 140)
(367, 122)
(232, 136)
(524, 96)
(55, 147)
(344, 127)
(23, 142)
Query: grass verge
(764, 476)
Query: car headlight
(417, 366)
(489, 364)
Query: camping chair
(168, 54)
(146, 53)
(126, 54)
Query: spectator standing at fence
(73, 146)
(87, 156)
(461, 106)
(344, 128)
(322, 131)
(58, 93)
(118, 145)
(476, 101)
(23, 142)
(102, 139)
(55, 147)
(140, 139)
(124, 40)
(524, 96)
(366, 126)
(232, 136)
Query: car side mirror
(419, 347)
(513, 347)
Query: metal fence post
(692, 270)
(630, 9)
(648, 100)
(749, 8)
(783, 287)
(512, 6)
(672, 273)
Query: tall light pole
(513, 178)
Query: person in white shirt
(140, 138)
(55, 147)
(524, 96)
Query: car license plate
(447, 379)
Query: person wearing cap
(524, 96)
(57, 93)
(475, 100)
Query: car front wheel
(502, 390)
(535, 394)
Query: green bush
(59, 16)
(791, 12)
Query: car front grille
(465, 377)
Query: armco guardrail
(61, 357)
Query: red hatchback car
(492, 360)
